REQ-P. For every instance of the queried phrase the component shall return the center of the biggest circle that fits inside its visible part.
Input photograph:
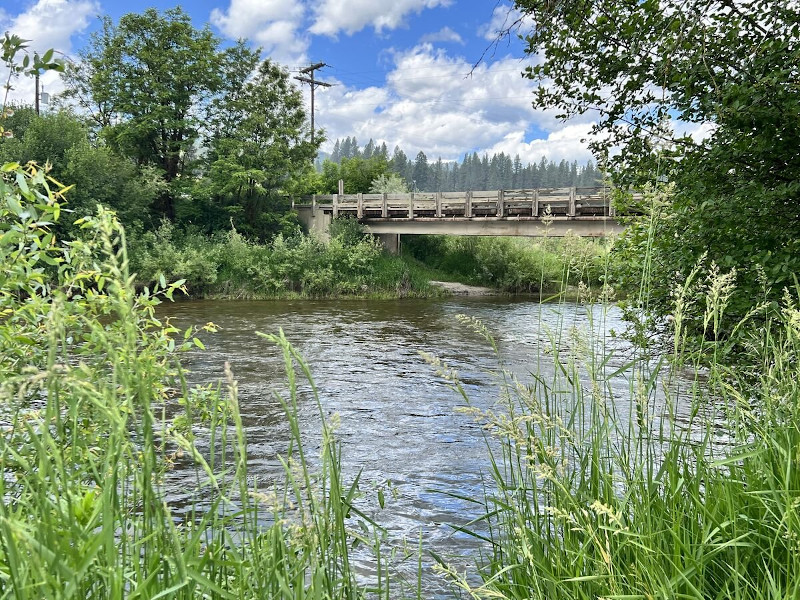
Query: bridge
(553, 212)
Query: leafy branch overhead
(631, 65)
(10, 49)
(645, 71)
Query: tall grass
(517, 265)
(95, 412)
(665, 490)
(227, 265)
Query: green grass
(516, 265)
(665, 490)
(229, 266)
(95, 411)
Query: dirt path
(459, 289)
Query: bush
(85, 371)
(513, 264)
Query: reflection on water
(398, 419)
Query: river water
(398, 419)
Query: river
(398, 419)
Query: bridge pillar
(390, 241)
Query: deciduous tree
(649, 70)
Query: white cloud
(505, 19)
(445, 34)
(697, 131)
(47, 24)
(567, 144)
(51, 23)
(430, 103)
(274, 24)
(350, 16)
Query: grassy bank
(354, 264)
(514, 265)
(664, 489)
(229, 266)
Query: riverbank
(604, 487)
(353, 264)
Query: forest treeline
(475, 172)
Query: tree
(269, 146)
(369, 149)
(647, 69)
(388, 183)
(421, 172)
(147, 81)
(399, 162)
(48, 137)
(357, 173)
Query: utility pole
(313, 83)
(36, 103)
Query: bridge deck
(532, 212)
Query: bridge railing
(532, 203)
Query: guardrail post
(335, 205)
(411, 206)
(341, 187)
(612, 211)
(314, 205)
(438, 204)
(501, 197)
(360, 206)
(385, 206)
(535, 204)
(468, 205)
(571, 206)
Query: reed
(95, 412)
(661, 490)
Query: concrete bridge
(553, 212)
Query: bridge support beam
(390, 241)
(553, 227)
(315, 220)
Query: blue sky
(400, 68)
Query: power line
(313, 83)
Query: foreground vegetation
(89, 377)
(596, 493)
(665, 490)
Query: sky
(425, 75)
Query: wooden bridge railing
(533, 203)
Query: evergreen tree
(399, 162)
(383, 152)
(369, 149)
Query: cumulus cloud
(350, 16)
(47, 24)
(430, 102)
(445, 34)
(567, 143)
(697, 131)
(505, 19)
(274, 24)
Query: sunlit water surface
(398, 419)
